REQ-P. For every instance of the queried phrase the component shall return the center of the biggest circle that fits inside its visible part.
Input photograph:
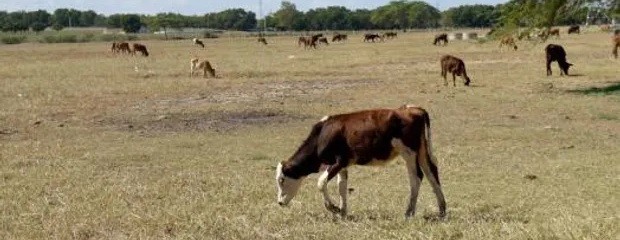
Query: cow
(508, 41)
(456, 66)
(308, 42)
(574, 29)
(114, 49)
(205, 65)
(616, 45)
(390, 35)
(556, 53)
(140, 48)
(323, 40)
(122, 47)
(442, 37)
(554, 32)
(262, 40)
(368, 37)
(198, 42)
(366, 138)
(339, 37)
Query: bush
(63, 38)
(207, 34)
(13, 39)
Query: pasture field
(98, 146)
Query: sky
(200, 7)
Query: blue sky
(190, 7)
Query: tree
(471, 16)
(531, 14)
(406, 14)
(288, 18)
(131, 23)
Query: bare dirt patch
(197, 122)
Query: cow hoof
(332, 208)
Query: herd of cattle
(376, 136)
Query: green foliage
(288, 17)
(406, 14)
(471, 16)
(13, 39)
(131, 23)
(38, 26)
(57, 27)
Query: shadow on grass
(614, 88)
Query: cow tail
(429, 148)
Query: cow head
(565, 66)
(287, 186)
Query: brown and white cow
(369, 137)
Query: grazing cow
(453, 65)
(204, 65)
(114, 49)
(339, 37)
(140, 48)
(390, 35)
(123, 47)
(262, 40)
(442, 37)
(367, 138)
(198, 42)
(616, 44)
(372, 37)
(557, 53)
(574, 29)
(508, 41)
(554, 32)
(323, 40)
(308, 42)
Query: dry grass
(90, 148)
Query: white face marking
(324, 119)
(287, 187)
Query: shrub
(13, 39)
(62, 38)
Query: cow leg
(549, 68)
(444, 74)
(322, 184)
(454, 78)
(343, 176)
(429, 167)
(415, 178)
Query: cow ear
(570, 64)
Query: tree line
(401, 14)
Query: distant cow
(205, 65)
(339, 37)
(366, 138)
(442, 37)
(390, 35)
(262, 40)
(122, 47)
(454, 65)
(198, 42)
(616, 44)
(508, 41)
(323, 40)
(554, 32)
(574, 29)
(557, 53)
(371, 37)
(308, 42)
(140, 48)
